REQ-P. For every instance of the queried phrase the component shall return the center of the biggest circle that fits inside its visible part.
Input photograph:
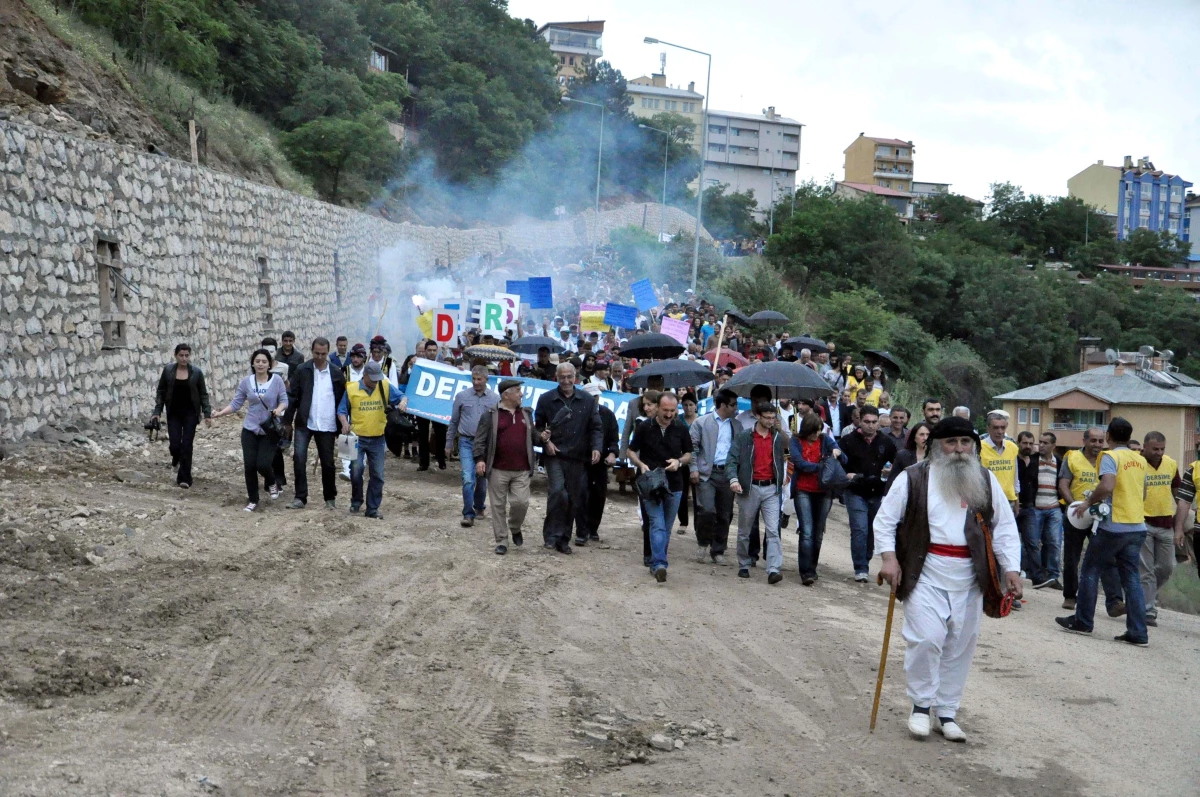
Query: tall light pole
(599, 157)
(703, 151)
(662, 209)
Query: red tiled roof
(877, 189)
(590, 26)
(893, 142)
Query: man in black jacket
(182, 393)
(287, 353)
(869, 456)
(571, 436)
(314, 393)
(598, 473)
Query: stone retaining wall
(189, 242)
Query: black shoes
(1141, 643)
(467, 522)
(564, 548)
(1072, 625)
(1116, 610)
(501, 550)
(518, 540)
(774, 578)
(808, 581)
(660, 575)
(744, 573)
(374, 516)
(593, 537)
(355, 509)
(580, 542)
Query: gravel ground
(161, 642)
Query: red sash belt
(955, 551)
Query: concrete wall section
(189, 241)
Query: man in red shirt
(756, 467)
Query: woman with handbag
(809, 449)
(265, 398)
(914, 451)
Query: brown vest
(912, 540)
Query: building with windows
(575, 44)
(651, 95)
(1191, 225)
(1134, 196)
(899, 201)
(885, 162)
(1140, 387)
(753, 152)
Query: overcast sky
(1018, 91)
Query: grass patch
(1182, 592)
(237, 139)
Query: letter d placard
(443, 327)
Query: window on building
(378, 61)
(717, 130)
(571, 61)
(716, 147)
(111, 282)
(264, 294)
(1035, 416)
(656, 104)
(1023, 416)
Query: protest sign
(591, 318)
(541, 293)
(491, 318)
(643, 295)
(620, 315)
(518, 288)
(512, 310)
(675, 329)
(443, 326)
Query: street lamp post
(599, 157)
(662, 209)
(703, 151)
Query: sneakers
(774, 577)
(1152, 620)
(1069, 604)
(1043, 584)
(949, 729)
(1141, 643)
(744, 573)
(862, 578)
(296, 504)
(1072, 625)
(702, 554)
(518, 540)
(275, 491)
(501, 550)
(719, 559)
(250, 507)
(467, 522)
(185, 486)
(918, 725)
(1055, 584)
(660, 575)
(331, 504)
(355, 509)
(1116, 610)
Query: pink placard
(675, 329)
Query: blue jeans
(662, 517)
(474, 488)
(1041, 541)
(811, 511)
(861, 512)
(372, 449)
(1105, 549)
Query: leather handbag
(832, 476)
(652, 485)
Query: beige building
(652, 95)
(899, 201)
(1139, 388)
(885, 162)
(576, 44)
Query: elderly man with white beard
(933, 532)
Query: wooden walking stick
(887, 637)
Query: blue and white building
(1134, 196)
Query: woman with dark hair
(914, 451)
(263, 394)
(808, 448)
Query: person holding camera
(182, 393)
(265, 397)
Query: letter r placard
(491, 318)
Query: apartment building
(1191, 225)
(753, 152)
(576, 44)
(897, 200)
(885, 162)
(652, 95)
(1133, 196)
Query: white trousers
(940, 631)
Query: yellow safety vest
(1128, 495)
(368, 411)
(1083, 474)
(1003, 465)
(1159, 500)
(853, 385)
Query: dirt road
(201, 649)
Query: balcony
(1069, 427)
(894, 174)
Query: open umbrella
(529, 344)
(654, 345)
(769, 318)
(729, 358)
(814, 346)
(675, 373)
(882, 358)
(787, 381)
(739, 317)
(486, 351)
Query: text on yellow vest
(1128, 495)
(1083, 474)
(1002, 464)
(1159, 500)
(368, 411)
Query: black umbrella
(769, 318)
(787, 381)
(885, 359)
(674, 373)
(529, 344)
(739, 317)
(813, 345)
(654, 345)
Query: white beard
(957, 477)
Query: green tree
(1155, 249)
(345, 157)
(324, 92)
(855, 319)
(729, 215)
(756, 285)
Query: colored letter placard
(491, 318)
(443, 326)
(541, 293)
